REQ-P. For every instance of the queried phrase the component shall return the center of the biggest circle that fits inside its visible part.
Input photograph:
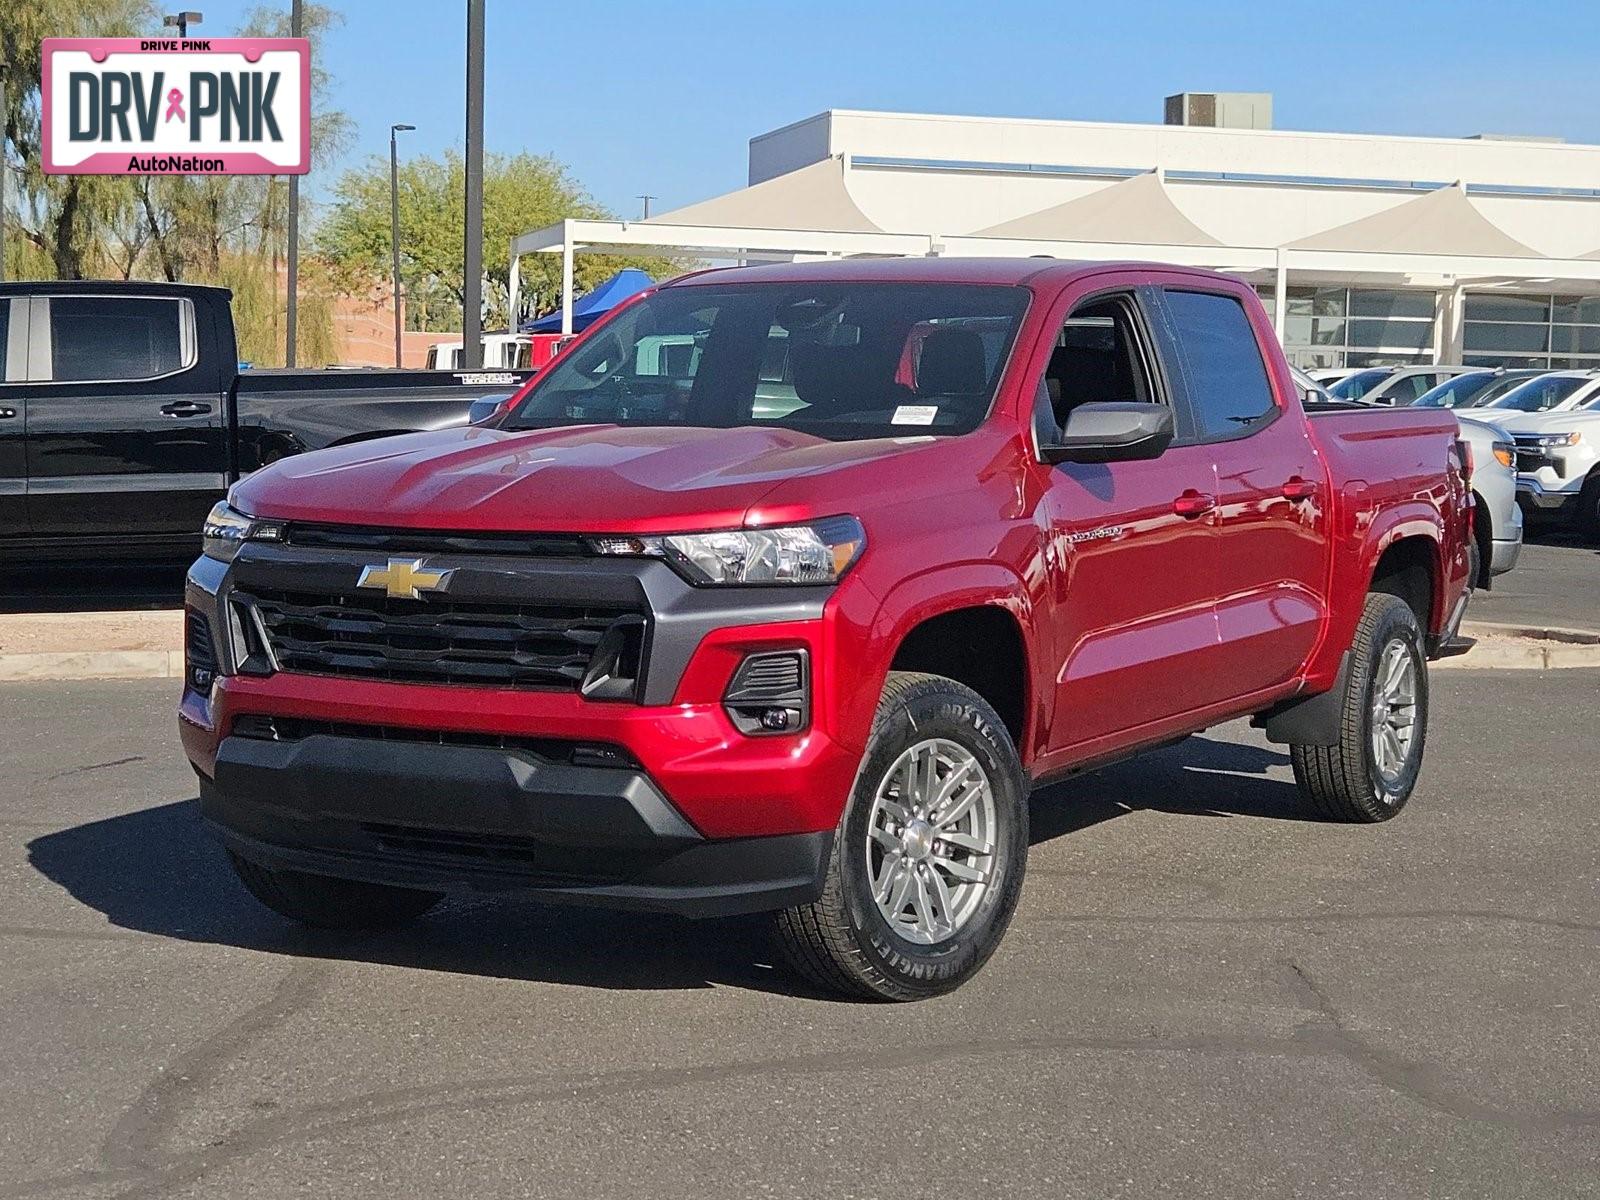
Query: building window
(1356, 327)
(1512, 330)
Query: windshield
(1542, 394)
(1353, 387)
(838, 360)
(1455, 393)
(1500, 387)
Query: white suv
(1555, 422)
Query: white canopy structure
(1332, 210)
(1139, 209)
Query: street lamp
(3, 97)
(183, 20)
(394, 227)
(646, 197)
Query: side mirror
(1111, 432)
(484, 407)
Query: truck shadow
(157, 871)
(1198, 777)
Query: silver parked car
(1496, 517)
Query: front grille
(443, 641)
(1532, 460)
(413, 541)
(490, 851)
(266, 728)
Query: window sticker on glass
(915, 414)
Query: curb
(1524, 648)
(91, 664)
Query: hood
(1547, 422)
(586, 479)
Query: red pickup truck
(780, 590)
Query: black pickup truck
(124, 415)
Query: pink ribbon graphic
(175, 106)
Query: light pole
(183, 20)
(472, 257)
(646, 197)
(3, 97)
(394, 229)
(292, 308)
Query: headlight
(226, 529)
(1505, 454)
(1554, 441)
(820, 552)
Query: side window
(5, 334)
(1224, 376)
(119, 337)
(1099, 356)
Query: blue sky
(662, 97)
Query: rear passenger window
(119, 337)
(1225, 379)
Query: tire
(1475, 561)
(329, 903)
(947, 925)
(1348, 781)
(1589, 509)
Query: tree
(64, 218)
(520, 192)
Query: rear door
(13, 418)
(1271, 490)
(1133, 544)
(125, 429)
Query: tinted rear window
(1224, 375)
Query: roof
(1004, 271)
(1138, 210)
(1443, 221)
(814, 197)
(109, 287)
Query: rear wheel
(331, 903)
(928, 856)
(1589, 509)
(1369, 773)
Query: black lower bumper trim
(484, 819)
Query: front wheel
(1369, 773)
(928, 856)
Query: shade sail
(813, 197)
(1138, 210)
(1438, 222)
(629, 281)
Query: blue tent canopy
(629, 281)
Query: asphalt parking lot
(1205, 993)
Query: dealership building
(1366, 249)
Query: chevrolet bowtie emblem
(404, 579)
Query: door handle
(7, 413)
(1194, 504)
(185, 408)
(1296, 488)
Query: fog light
(770, 693)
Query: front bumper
(1503, 556)
(483, 818)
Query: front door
(1132, 548)
(123, 429)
